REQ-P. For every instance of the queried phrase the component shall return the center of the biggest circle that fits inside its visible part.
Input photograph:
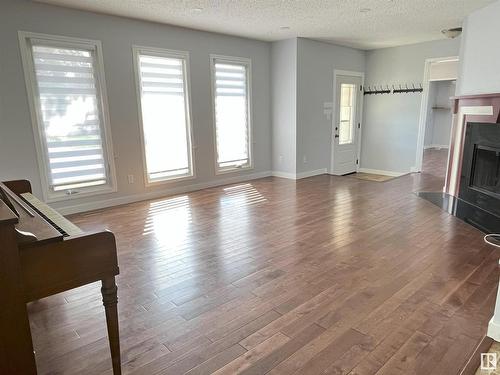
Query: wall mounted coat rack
(400, 89)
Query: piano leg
(110, 301)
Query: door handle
(336, 135)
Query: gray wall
(390, 126)
(284, 109)
(17, 151)
(479, 55)
(316, 63)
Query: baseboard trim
(288, 175)
(301, 175)
(494, 329)
(382, 172)
(90, 206)
(439, 147)
(315, 172)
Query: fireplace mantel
(468, 108)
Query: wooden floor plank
(326, 275)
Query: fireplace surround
(472, 191)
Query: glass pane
(70, 115)
(347, 115)
(166, 130)
(231, 106)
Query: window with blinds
(164, 106)
(231, 92)
(68, 105)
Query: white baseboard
(493, 330)
(298, 176)
(83, 207)
(439, 147)
(315, 172)
(290, 176)
(381, 172)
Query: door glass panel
(347, 113)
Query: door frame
(424, 104)
(349, 73)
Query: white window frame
(248, 63)
(137, 50)
(36, 117)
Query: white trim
(288, 175)
(439, 147)
(382, 172)
(424, 103)
(493, 329)
(248, 63)
(458, 129)
(339, 72)
(494, 324)
(167, 53)
(31, 88)
(301, 175)
(83, 207)
(315, 172)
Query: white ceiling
(387, 23)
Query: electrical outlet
(304, 159)
(130, 178)
(281, 159)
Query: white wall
(480, 55)
(390, 126)
(316, 63)
(284, 109)
(17, 151)
(437, 133)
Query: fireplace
(480, 173)
(485, 174)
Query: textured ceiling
(365, 24)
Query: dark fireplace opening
(485, 171)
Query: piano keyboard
(59, 222)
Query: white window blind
(231, 107)
(69, 116)
(165, 114)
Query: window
(162, 83)
(231, 94)
(347, 115)
(65, 81)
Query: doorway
(346, 122)
(436, 117)
(438, 128)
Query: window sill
(169, 180)
(52, 198)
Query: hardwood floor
(326, 275)
(435, 162)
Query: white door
(346, 124)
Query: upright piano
(41, 254)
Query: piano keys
(42, 254)
(54, 218)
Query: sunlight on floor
(243, 195)
(169, 220)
